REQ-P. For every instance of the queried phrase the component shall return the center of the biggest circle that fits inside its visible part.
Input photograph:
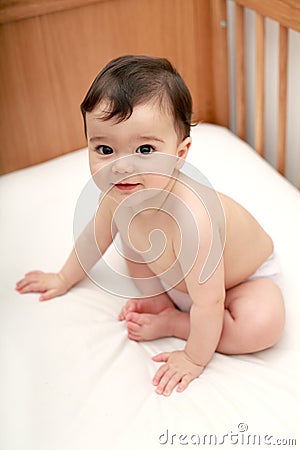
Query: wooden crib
(51, 51)
(70, 378)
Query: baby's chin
(139, 199)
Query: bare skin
(228, 313)
(148, 319)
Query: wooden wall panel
(47, 63)
(11, 10)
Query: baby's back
(247, 244)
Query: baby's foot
(145, 305)
(146, 327)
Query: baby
(205, 267)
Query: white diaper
(181, 299)
(269, 269)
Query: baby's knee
(269, 325)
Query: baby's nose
(122, 165)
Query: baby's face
(137, 154)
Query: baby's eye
(145, 149)
(104, 150)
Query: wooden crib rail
(287, 14)
(260, 85)
(282, 99)
(52, 49)
(240, 72)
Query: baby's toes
(138, 319)
(121, 315)
(133, 331)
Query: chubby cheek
(100, 175)
(94, 163)
(97, 167)
(94, 168)
(156, 181)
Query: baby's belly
(169, 271)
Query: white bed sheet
(71, 379)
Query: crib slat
(282, 99)
(218, 10)
(260, 85)
(286, 12)
(240, 72)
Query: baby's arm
(91, 244)
(52, 284)
(206, 321)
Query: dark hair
(130, 80)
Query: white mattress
(71, 379)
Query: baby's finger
(29, 278)
(159, 374)
(171, 384)
(32, 287)
(164, 381)
(33, 272)
(48, 295)
(161, 357)
(22, 283)
(185, 381)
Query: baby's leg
(254, 317)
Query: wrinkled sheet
(70, 377)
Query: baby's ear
(182, 151)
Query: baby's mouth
(126, 186)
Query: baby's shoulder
(199, 198)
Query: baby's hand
(49, 284)
(179, 371)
